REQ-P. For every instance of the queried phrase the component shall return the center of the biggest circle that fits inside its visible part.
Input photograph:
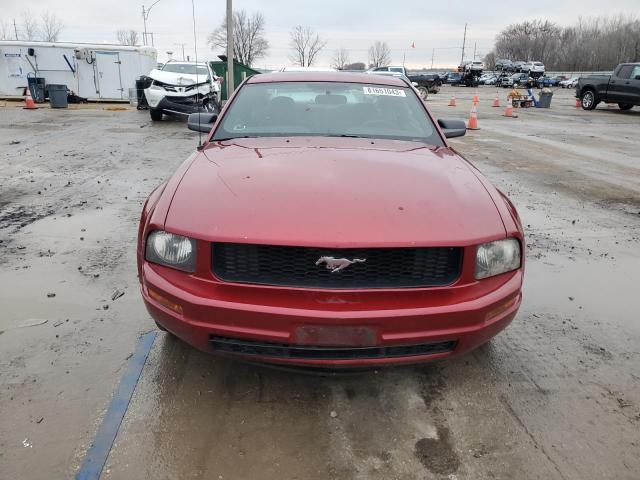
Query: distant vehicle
(454, 78)
(516, 80)
(471, 66)
(182, 88)
(518, 66)
(569, 83)
(623, 88)
(503, 65)
(547, 81)
(534, 69)
(397, 69)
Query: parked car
(503, 65)
(471, 66)
(397, 69)
(545, 81)
(518, 66)
(534, 69)
(235, 258)
(181, 88)
(623, 88)
(569, 83)
(516, 80)
(454, 78)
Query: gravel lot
(555, 396)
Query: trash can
(36, 87)
(545, 100)
(58, 96)
(141, 84)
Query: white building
(96, 72)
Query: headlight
(171, 250)
(497, 257)
(156, 86)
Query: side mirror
(637, 77)
(453, 128)
(201, 122)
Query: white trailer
(96, 72)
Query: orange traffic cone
(28, 102)
(578, 103)
(496, 102)
(473, 119)
(508, 112)
(475, 99)
(452, 102)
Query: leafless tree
(127, 37)
(490, 61)
(29, 29)
(379, 55)
(340, 58)
(5, 31)
(598, 43)
(51, 27)
(249, 42)
(306, 45)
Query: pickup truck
(623, 88)
(425, 83)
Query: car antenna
(195, 46)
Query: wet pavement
(555, 396)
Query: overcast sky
(352, 24)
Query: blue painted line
(98, 452)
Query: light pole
(229, 48)
(145, 16)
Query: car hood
(332, 192)
(180, 79)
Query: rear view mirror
(201, 122)
(453, 128)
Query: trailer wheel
(156, 114)
(424, 93)
(625, 106)
(588, 100)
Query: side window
(399, 70)
(625, 71)
(381, 69)
(636, 72)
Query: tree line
(46, 28)
(598, 43)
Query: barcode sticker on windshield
(392, 92)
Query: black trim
(307, 352)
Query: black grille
(296, 266)
(281, 350)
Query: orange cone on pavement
(473, 119)
(475, 99)
(28, 102)
(508, 112)
(496, 102)
(452, 102)
(578, 103)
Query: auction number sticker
(391, 92)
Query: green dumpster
(240, 72)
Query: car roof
(347, 77)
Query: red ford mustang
(325, 221)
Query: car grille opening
(306, 352)
(296, 266)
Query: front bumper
(331, 328)
(178, 102)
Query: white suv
(535, 69)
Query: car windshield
(333, 109)
(186, 68)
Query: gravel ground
(555, 396)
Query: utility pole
(464, 42)
(475, 45)
(230, 83)
(433, 53)
(15, 29)
(145, 16)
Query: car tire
(424, 93)
(156, 114)
(625, 106)
(588, 100)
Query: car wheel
(625, 106)
(156, 114)
(424, 93)
(588, 100)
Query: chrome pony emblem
(337, 264)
